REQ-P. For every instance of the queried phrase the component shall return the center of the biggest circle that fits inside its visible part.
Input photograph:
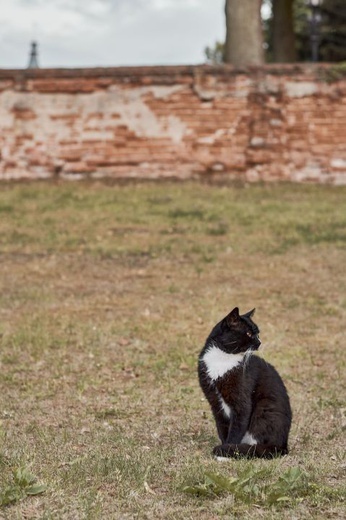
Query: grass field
(107, 295)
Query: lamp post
(314, 32)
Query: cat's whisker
(230, 343)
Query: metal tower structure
(33, 62)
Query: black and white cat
(247, 396)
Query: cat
(247, 396)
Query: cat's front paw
(223, 450)
(226, 450)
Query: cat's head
(236, 333)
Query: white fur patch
(218, 362)
(222, 459)
(225, 407)
(249, 439)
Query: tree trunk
(244, 38)
(283, 34)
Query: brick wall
(269, 123)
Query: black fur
(253, 390)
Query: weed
(254, 486)
(23, 484)
(250, 486)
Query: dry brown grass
(107, 295)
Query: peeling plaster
(136, 114)
(128, 104)
(297, 89)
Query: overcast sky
(88, 33)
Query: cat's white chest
(218, 362)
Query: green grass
(107, 293)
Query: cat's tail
(249, 451)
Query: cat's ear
(233, 317)
(250, 313)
